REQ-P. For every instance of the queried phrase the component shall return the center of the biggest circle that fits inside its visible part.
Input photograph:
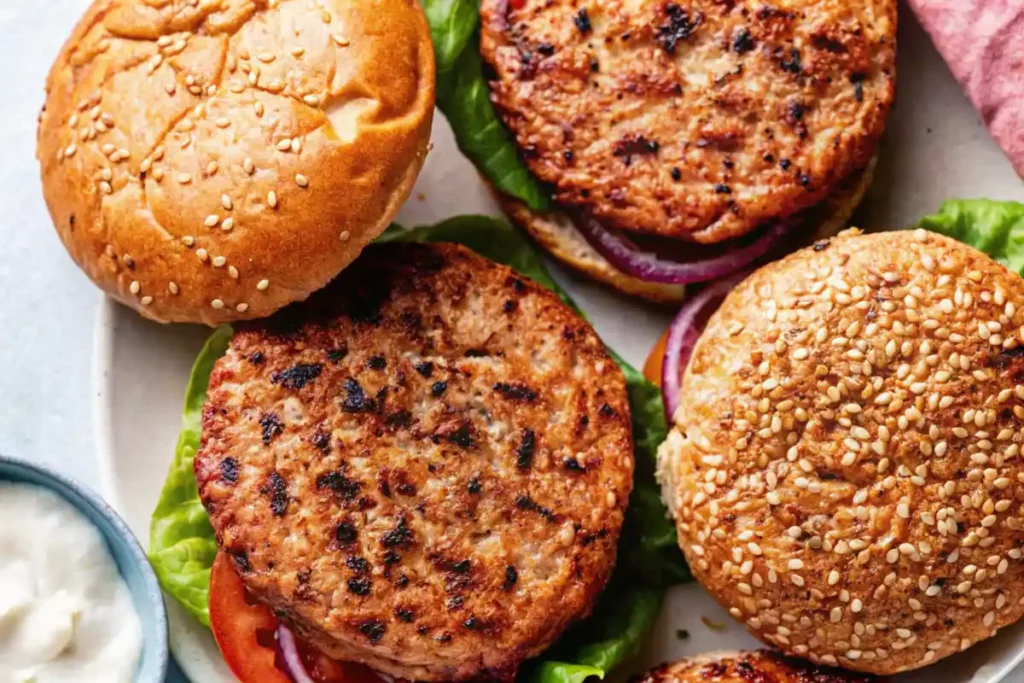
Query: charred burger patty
(696, 120)
(424, 467)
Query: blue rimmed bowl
(124, 548)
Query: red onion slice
(651, 268)
(290, 657)
(684, 333)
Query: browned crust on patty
(696, 121)
(845, 465)
(759, 666)
(424, 467)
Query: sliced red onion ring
(684, 333)
(651, 268)
(290, 657)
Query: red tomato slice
(652, 367)
(245, 632)
(243, 628)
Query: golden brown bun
(845, 464)
(697, 121)
(759, 666)
(164, 120)
(555, 232)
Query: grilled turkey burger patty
(692, 120)
(424, 467)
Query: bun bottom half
(558, 235)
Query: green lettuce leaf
(993, 227)
(650, 560)
(464, 99)
(622, 619)
(181, 543)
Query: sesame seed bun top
(845, 465)
(206, 162)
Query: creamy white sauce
(65, 612)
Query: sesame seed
(284, 145)
(184, 178)
(172, 287)
(341, 40)
(226, 202)
(296, 145)
(134, 287)
(248, 166)
(71, 149)
(298, 51)
(188, 240)
(301, 180)
(856, 606)
(217, 304)
(233, 272)
(311, 100)
(272, 199)
(202, 254)
(219, 261)
(211, 220)
(228, 224)
(259, 108)
(146, 300)
(242, 307)
(262, 285)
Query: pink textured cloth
(983, 43)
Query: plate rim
(102, 414)
(104, 339)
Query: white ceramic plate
(935, 148)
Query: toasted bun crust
(845, 465)
(699, 120)
(759, 666)
(167, 126)
(555, 232)
(424, 467)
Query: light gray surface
(46, 318)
